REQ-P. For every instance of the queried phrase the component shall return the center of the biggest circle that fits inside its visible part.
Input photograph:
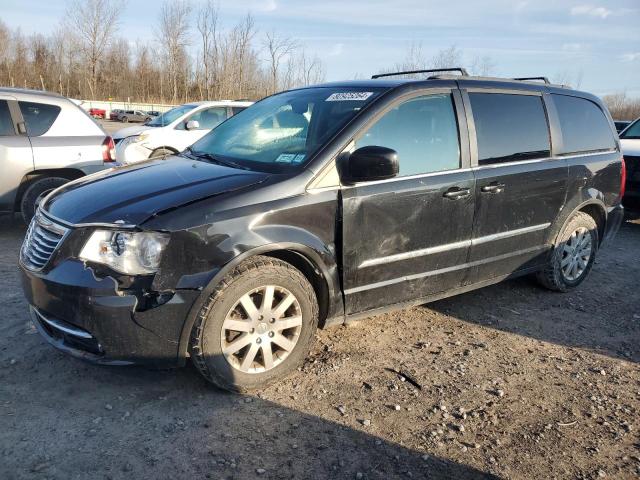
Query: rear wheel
(36, 192)
(256, 327)
(573, 255)
(161, 153)
(124, 119)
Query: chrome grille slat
(41, 241)
(41, 250)
(44, 236)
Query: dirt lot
(516, 382)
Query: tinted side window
(584, 126)
(632, 132)
(6, 124)
(509, 127)
(38, 116)
(423, 131)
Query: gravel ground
(511, 381)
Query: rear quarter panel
(594, 179)
(73, 141)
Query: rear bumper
(90, 319)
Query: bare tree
(94, 21)
(447, 58)
(278, 48)
(482, 66)
(173, 37)
(207, 25)
(622, 107)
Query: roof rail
(542, 79)
(463, 72)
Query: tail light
(108, 150)
(623, 178)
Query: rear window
(509, 127)
(6, 124)
(38, 117)
(584, 125)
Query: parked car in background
(153, 113)
(134, 116)
(45, 141)
(322, 205)
(173, 131)
(97, 112)
(113, 115)
(630, 141)
(621, 124)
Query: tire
(208, 335)
(35, 192)
(161, 153)
(554, 275)
(124, 120)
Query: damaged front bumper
(93, 319)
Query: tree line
(194, 56)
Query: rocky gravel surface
(511, 381)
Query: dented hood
(135, 193)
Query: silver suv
(45, 141)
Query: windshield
(170, 116)
(632, 131)
(282, 132)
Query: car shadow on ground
(132, 422)
(601, 315)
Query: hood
(133, 194)
(630, 146)
(130, 131)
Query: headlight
(131, 253)
(140, 138)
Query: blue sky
(597, 40)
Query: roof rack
(463, 72)
(541, 79)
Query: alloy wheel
(261, 330)
(576, 253)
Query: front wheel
(256, 327)
(573, 254)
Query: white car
(173, 131)
(630, 143)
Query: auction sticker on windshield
(349, 96)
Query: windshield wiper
(214, 159)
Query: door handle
(493, 187)
(457, 193)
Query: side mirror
(369, 163)
(192, 125)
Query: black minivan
(320, 205)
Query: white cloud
(270, 6)
(630, 57)
(591, 11)
(336, 50)
(572, 47)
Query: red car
(97, 112)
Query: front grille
(633, 168)
(42, 239)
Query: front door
(16, 158)
(520, 187)
(207, 118)
(408, 237)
